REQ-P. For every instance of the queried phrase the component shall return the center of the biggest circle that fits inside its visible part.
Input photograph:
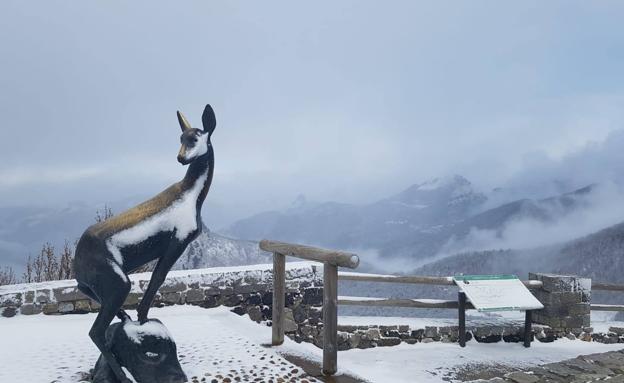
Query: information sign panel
(497, 293)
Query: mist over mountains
(430, 224)
(436, 219)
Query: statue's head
(196, 142)
(147, 351)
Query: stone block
(344, 342)
(30, 309)
(9, 312)
(289, 325)
(387, 342)
(373, 333)
(82, 306)
(172, 298)
(174, 287)
(313, 296)
(232, 300)
(132, 300)
(579, 309)
(68, 294)
(566, 301)
(43, 296)
(254, 298)
(417, 334)
(195, 295)
(300, 313)
(65, 307)
(255, 314)
(9, 300)
(617, 330)
(95, 306)
(29, 297)
(354, 340)
(209, 302)
(431, 332)
(51, 308)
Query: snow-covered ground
(47, 349)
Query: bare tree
(39, 266)
(105, 214)
(27, 277)
(47, 265)
(51, 264)
(7, 276)
(65, 262)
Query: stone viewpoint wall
(566, 300)
(247, 287)
(248, 290)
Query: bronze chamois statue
(158, 229)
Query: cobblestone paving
(608, 367)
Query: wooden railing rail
(336, 258)
(601, 307)
(606, 286)
(392, 302)
(331, 261)
(413, 279)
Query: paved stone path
(607, 367)
(214, 346)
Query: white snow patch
(181, 216)
(117, 269)
(136, 331)
(200, 148)
(115, 251)
(46, 348)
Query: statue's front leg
(158, 277)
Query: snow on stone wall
(202, 287)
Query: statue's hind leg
(86, 290)
(113, 290)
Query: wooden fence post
(462, 318)
(330, 318)
(527, 328)
(279, 297)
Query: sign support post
(490, 293)
(462, 318)
(527, 328)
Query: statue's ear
(184, 124)
(209, 120)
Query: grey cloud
(348, 101)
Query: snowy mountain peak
(443, 191)
(453, 182)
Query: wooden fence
(606, 287)
(333, 259)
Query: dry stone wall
(248, 287)
(248, 291)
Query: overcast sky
(341, 100)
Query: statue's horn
(184, 124)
